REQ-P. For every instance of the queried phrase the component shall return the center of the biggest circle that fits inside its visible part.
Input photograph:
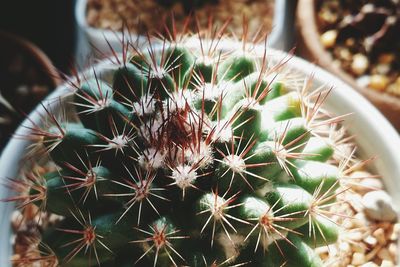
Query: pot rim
(387, 103)
(374, 125)
(278, 37)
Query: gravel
(138, 15)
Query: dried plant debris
(362, 37)
(139, 15)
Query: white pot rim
(378, 136)
(278, 38)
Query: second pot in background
(94, 40)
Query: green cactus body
(291, 200)
(319, 232)
(318, 149)
(284, 107)
(180, 61)
(86, 188)
(248, 121)
(295, 253)
(265, 161)
(237, 67)
(311, 175)
(55, 203)
(127, 82)
(69, 142)
(188, 158)
(76, 238)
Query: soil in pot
(139, 15)
(362, 37)
(24, 82)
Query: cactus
(199, 157)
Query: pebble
(393, 250)
(384, 254)
(378, 82)
(369, 264)
(382, 68)
(356, 202)
(378, 205)
(350, 42)
(363, 184)
(395, 233)
(363, 81)
(355, 236)
(333, 251)
(367, 8)
(345, 54)
(371, 184)
(372, 254)
(23, 90)
(360, 64)
(358, 247)
(370, 240)
(394, 88)
(345, 247)
(328, 38)
(360, 220)
(40, 90)
(337, 64)
(328, 16)
(386, 58)
(387, 263)
(379, 234)
(358, 259)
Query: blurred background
(48, 24)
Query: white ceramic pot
(89, 37)
(374, 136)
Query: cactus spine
(190, 157)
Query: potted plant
(26, 77)
(103, 21)
(356, 41)
(195, 154)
